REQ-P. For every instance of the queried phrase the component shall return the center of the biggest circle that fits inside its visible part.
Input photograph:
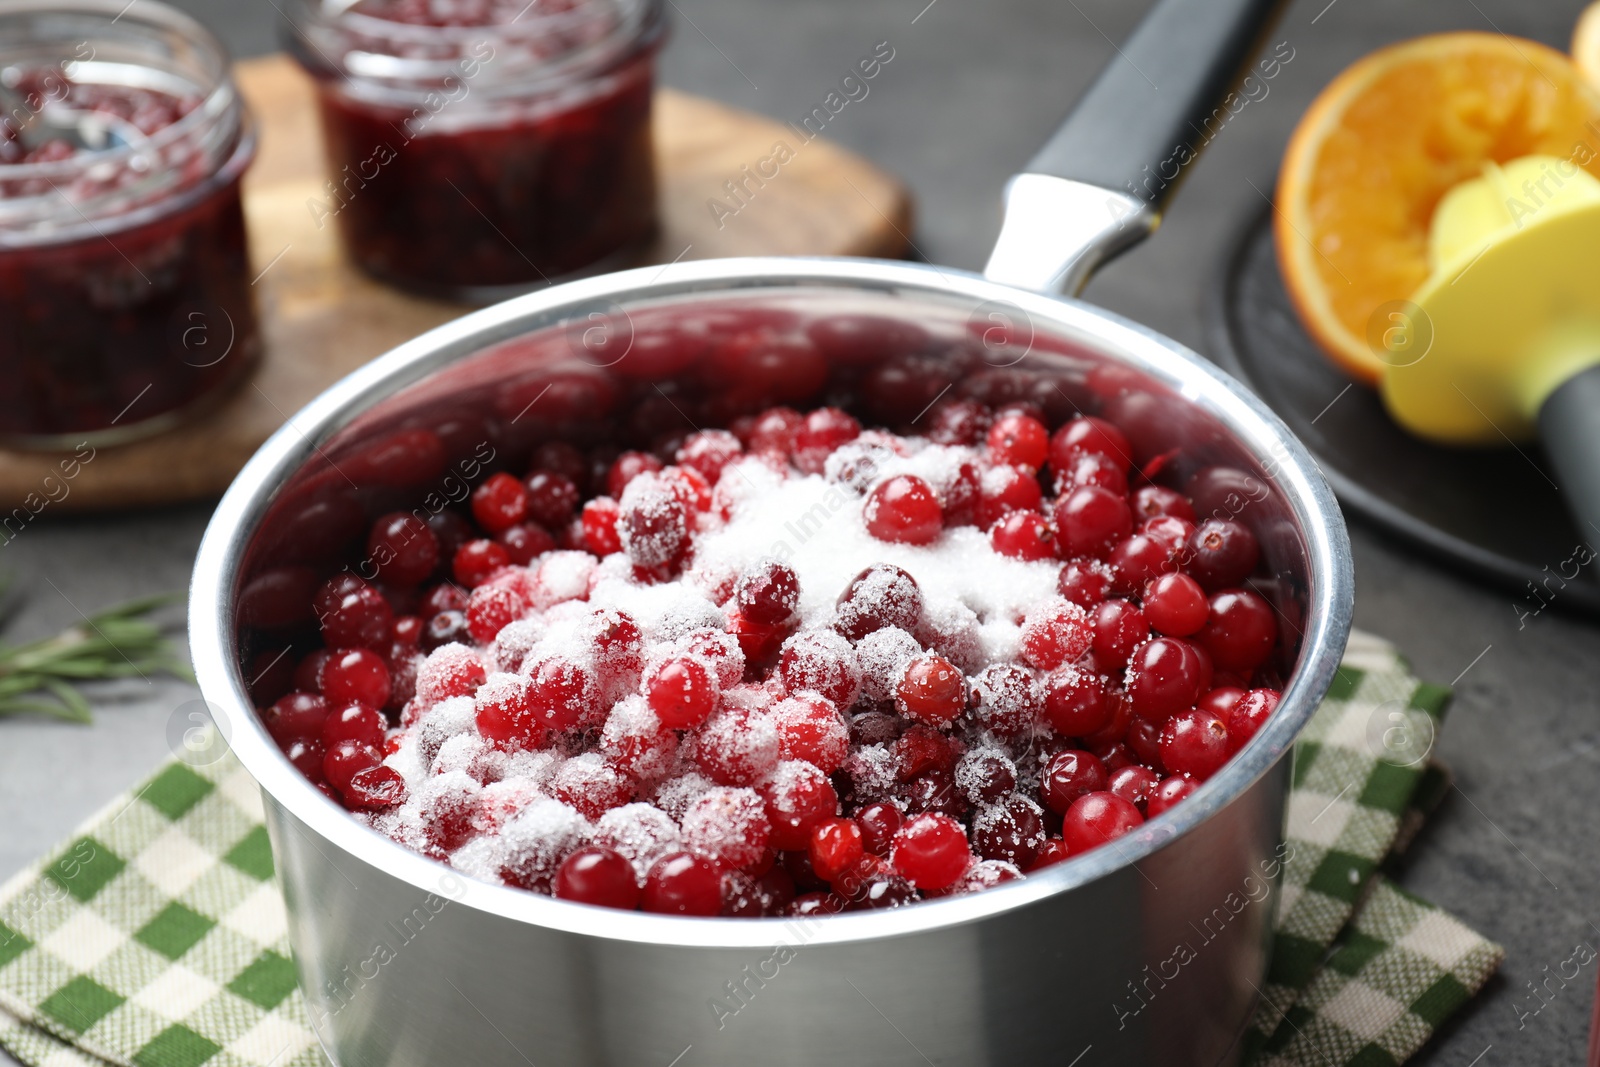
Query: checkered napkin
(156, 937)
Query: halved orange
(1384, 142)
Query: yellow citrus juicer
(1502, 343)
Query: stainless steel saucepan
(1147, 951)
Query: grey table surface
(973, 89)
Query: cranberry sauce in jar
(478, 148)
(124, 273)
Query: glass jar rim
(217, 101)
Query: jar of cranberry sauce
(125, 296)
(480, 148)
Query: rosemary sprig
(119, 642)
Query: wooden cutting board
(321, 318)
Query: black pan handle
(1099, 184)
(1161, 99)
(1569, 424)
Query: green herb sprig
(119, 642)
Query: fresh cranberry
(903, 510)
(307, 755)
(922, 749)
(1053, 852)
(1175, 605)
(445, 628)
(1096, 819)
(1089, 434)
(882, 595)
(957, 422)
(599, 521)
(653, 522)
(1116, 728)
(403, 549)
(499, 502)
(451, 531)
(1248, 715)
(1221, 553)
(1137, 561)
(1119, 628)
(1152, 500)
(681, 883)
(1089, 521)
(374, 788)
(773, 431)
(879, 823)
(1075, 703)
(931, 851)
(1168, 794)
(353, 722)
(1172, 532)
(1055, 633)
(525, 541)
(476, 560)
(626, 468)
(406, 632)
(1091, 468)
(1241, 630)
(1018, 441)
(798, 796)
(563, 458)
(345, 759)
(769, 593)
(598, 876)
(835, 848)
(352, 613)
(985, 776)
(709, 451)
(682, 692)
(759, 641)
(810, 905)
(823, 430)
(298, 715)
(811, 729)
(1011, 830)
(931, 691)
(1067, 776)
(356, 676)
(552, 497)
(1085, 582)
(1143, 739)
(563, 693)
(1195, 743)
(1133, 784)
(1005, 700)
(445, 596)
(491, 608)
(1166, 676)
(1220, 701)
(503, 712)
(936, 792)
(1003, 490)
(1023, 535)
(823, 662)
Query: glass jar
(125, 286)
(479, 148)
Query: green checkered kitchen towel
(156, 936)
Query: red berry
(879, 823)
(1075, 703)
(823, 430)
(504, 714)
(1085, 582)
(1054, 851)
(499, 502)
(1143, 739)
(352, 613)
(1195, 743)
(375, 787)
(931, 690)
(1152, 500)
(354, 722)
(1089, 434)
(345, 759)
(1018, 441)
(600, 526)
(525, 541)
(1247, 715)
(798, 796)
(1089, 521)
(476, 560)
(1067, 776)
(835, 848)
(297, 716)
(443, 597)
(626, 468)
(682, 692)
(1175, 605)
(1220, 701)
(562, 693)
(1166, 676)
(1221, 553)
(1168, 793)
(1119, 628)
(552, 497)
(1011, 830)
(922, 750)
(1023, 535)
(769, 593)
(491, 607)
(1241, 631)
(1095, 819)
(1054, 633)
(402, 548)
(774, 431)
(1133, 784)
(1091, 468)
(1005, 700)
(1170, 531)
(445, 628)
(931, 851)
(1138, 560)
(903, 510)
(880, 596)
(1002, 490)
(681, 883)
(356, 676)
(811, 729)
(307, 755)
(823, 662)
(653, 522)
(599, 876)
(709, 451)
